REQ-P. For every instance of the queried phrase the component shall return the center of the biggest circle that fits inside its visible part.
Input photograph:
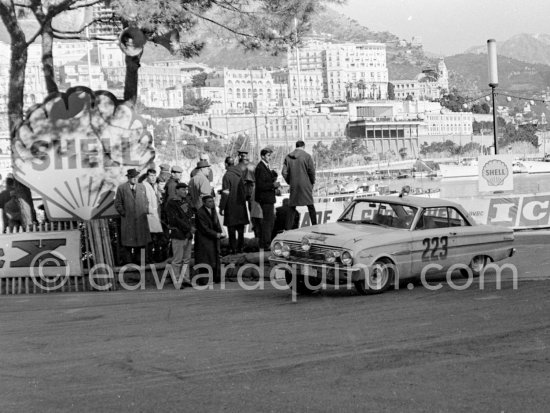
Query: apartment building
(35, 87)
(246, 90)
(347, 70)
(431, 84)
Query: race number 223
(435, 248)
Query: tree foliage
(175, 24)
(453, 102)
(523, 133)
(199, 79)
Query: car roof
(415, 201)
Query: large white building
(157, 76)
(347, 71)
(391, 125)
(35, 86)
(248, 90)
(431, 84)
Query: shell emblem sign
(495, 173)
(74, 150)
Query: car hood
(344, 234)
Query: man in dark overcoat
(170, 188)
(132, 205)
(247, 174)
(207, 239)
(299, 173)
(233, 205)
(164, 173)
(266, 184)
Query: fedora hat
(132, 173)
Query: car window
(456, 219)
(380, 213)
(440, 217)
(433, 218)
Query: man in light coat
(132, 205)
(199, 185)
(299, 173)
(157, 248)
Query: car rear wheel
(300, 285)
(378, 279)
(477, 265)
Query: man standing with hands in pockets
(266, 184)
(207, 239)
(299, 173)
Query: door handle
(452, 233)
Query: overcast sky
(449, 27)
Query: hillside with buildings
(468, 72)
(405, 59)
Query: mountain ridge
(530, 48)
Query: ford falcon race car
(380, 241)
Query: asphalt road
(250, 351)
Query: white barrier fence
(515, 211)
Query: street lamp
(493, 82)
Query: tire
(299, 284)
(378, 279)
(477, 265)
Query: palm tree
(361, 86)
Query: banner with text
(74, 150)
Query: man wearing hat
(132, 205)
(266, 184)
(204, 157)
(233, 205)
(247, 175)
(170, 188)
(179, 218)
(164, 173)
(199, 185)
(207, 239)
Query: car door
(466, 239)
(431, 241)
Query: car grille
(316, 253)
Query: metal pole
(298, 75)
(494, 120)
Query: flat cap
(265, 150)
(176, 168)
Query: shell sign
(495, 173)
(74, 150)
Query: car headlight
(346, 258)
(277, 249)
(306, 244)
(330, 256)
(285, 251)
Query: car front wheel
(378, 278)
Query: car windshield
(379, 213)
